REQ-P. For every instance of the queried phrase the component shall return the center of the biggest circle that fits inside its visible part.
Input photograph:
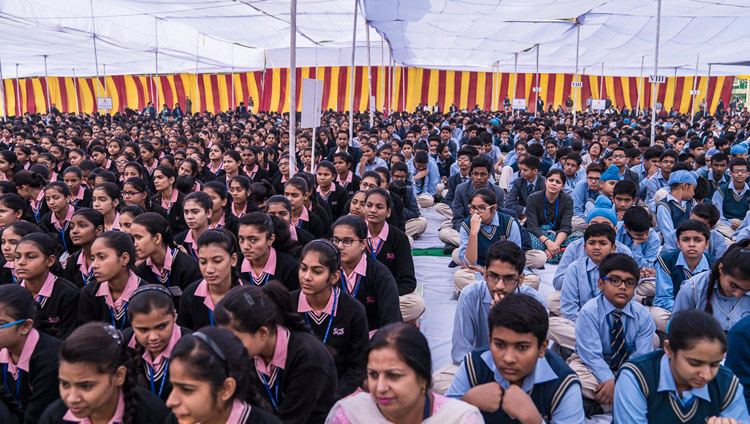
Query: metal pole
(575, 92)
(640, 83)
(403, 86)
(351, 80)
(656, 73)
(381, 75)
(392, 64)
(2, 91)
(96, 56)
(515, 74)
(492, 101)
(369, 77)
(46, 83)
(18, 94)
(75, 87)
(104, 82)
(293, 87)
(601, 84)
(197, 57)
(156, 64)
(536, 86)
(233, 102)
(695, 81)
(708, 91)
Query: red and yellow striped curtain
(411, 86)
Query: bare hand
(496, 297)
(518, 405)
(648, 272)
(653, 171)
(421, 174)
(553, 248)
(486, 397)
(363, 160)
(605, 392)
(736, 224)
(476, 224)
(722, 420)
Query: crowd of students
(162, 269)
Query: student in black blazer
(342, 145)
(169, 197)
(296, 190)
(523, 187)
(34, 383)
(262, 263)
(85, 226)
(343, 163)
(329, 191)
(391, 247)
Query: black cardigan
(175, 215)
(395, 254)
(57, 315)
(307, 388)
(286, 272)
(314, 225)
(149, 409)
(93, 308)
(347, 339)
(336, 201)
(72, 271)
(88, 199)
(184, 270)
(39, 387)
(379, 295)
(64, 243)
(193, 313)
(535, 213)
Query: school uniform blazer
(184, 270)
(175, 213)
(64, 243)
(378, 293)
(6, 274)
(315, 225)
(307, 388)
(93, 308)
(398, 218)
(353, 186)
(39, 387)
(193, 313)
(336, 201)
(286, 273)
(71, 272)
(88, 199)
(347, 339)
(519, 193)
(354, 152)
(396, 256)
(29, 215)
(57, 314)
(260, 175)
(149, 409)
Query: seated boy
(503, 272)
(522, 188)
(635, 232)
(607, 183)
(465, 156)
(674, 209)
(709, 215)
(611, 328)
(624, 196)
(733, 198)
(581, 283)
(677, 266)
(584, 191)
(516, 376)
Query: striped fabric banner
(411, 86)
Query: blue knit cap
(602, 207)
(612, 173)
(683, 176)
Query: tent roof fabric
(245, 35)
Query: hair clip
(112, 331)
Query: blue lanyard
(274, 400)
(211, 316)
(17, 396)
(87, 278)
(356, 286)
(36, 213)
(427, 407)
(557, 203)
(124, 316)
(62, 234)
(330, 317)
(219, 170)
(374, 252)
(163, 378)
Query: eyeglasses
(739, 171)
(462, 159)
(618, 156)
(346, 242)
(617, 282)
(480, 174)
(367, 186)
(507, 279)
(130, 193)
(479, 209)
(12, 323)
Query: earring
(424, 389)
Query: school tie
(617, 341)
(531, 188)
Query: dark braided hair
(734, 262)
(101, 345)
(247, 308)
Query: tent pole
(403, 86)
(537, 82)
(601, 84)
(492, 101)
(156, 64)
(104, 68)
(197, 57)
(515, 75)
(654, 85)
(18, 94)
(370, 91)
(392, 79)
(351, 79)
(708, 91)
(640, 83)
(575, 78)
(46, 83)
(233, 105)
(381, 75)
(2, 92)
(96, 56)
(75, 87)
(695, 81)
(293, 88)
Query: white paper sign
(599, 104)
(695, 92)
(312, 97)
(659, 79)
(576, 84)
(536, 89)
(519, 104)
(104, 103)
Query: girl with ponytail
(296, 370)
(721, 291)
(96, 384)
(31, 187)
(163, 263)
(221, 217)
(31, 378)
(210, 373)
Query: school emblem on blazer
(390, 255)
(338, 331)
(370, 299)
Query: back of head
(248, 308)
(637, 219)
(708, 212)
(521, 314)
(506, 251)
(691, 326)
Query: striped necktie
(617, 341)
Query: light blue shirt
(718, 200)
(582, 193)
(595, 318)
(572, 182)
(631, 406)
(575, 251)
(377, 163)
(727, 310)
(431, 179)
(515, 235)
(645, 253)
(581, 285)
(717, 245)
(470, 327)
(569, 410)
(654, 184)
(640, 170)
(664, 215)
(745, 224)
(665, 289)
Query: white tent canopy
(243, 35)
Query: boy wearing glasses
(581, 283)
(733, 198)
(611, 328)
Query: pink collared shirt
(252, 172)
(115, 223)
(167, 267)
(189, 239)
(303, 305)
(202, 291)
(269, 268)
(220, 224)
(81, 192)
(47, 287)
(68, 216)
(240, 412)
(293, 232)
(118, 304)
(117, 418)
(166, 205)
(24, 359)
(303, 216)
(348, 179)
(360, 269)
(331, 189)
(82, 264)
(241, 214)
(211, 167)
(38, 201)
(376, 240)
(279, 353)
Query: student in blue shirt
(369, 160)
(733, 198)
(426, 176)
(571, 163)
(648, 168)
(674, 209)
(709, 215)
(583, 191)
(685, 382)
(607, 183)
(611, 328)
(723, 291)
(660, 180)
(717, 175)
(635, 232)
(675, 267)
(581, 283)
(516, 376)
